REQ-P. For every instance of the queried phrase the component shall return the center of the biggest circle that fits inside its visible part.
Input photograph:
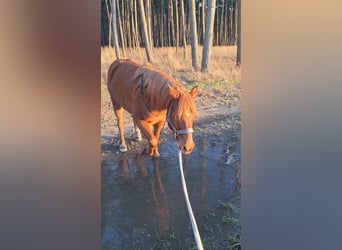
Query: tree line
(170, 23)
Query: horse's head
(180, 117)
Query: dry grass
(222, 64)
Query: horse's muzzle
(186, 149)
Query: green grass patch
(226, 205)
(234, 242)
(207, 84)
(168, 243)
(229, 220)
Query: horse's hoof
(138, 136)
(123, 148)
(147, 152)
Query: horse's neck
(172, 102)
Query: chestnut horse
(152, 97)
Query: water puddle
(143, 205)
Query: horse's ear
(174, 93)
(194, 91)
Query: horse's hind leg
(137, 132)
(119, 116)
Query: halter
(176, 131)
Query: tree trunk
(171, 25)
(121, 28)
(129, 32)
(194, 37)
(203, 18)
(145, 32)
(183, 25)
(230, 25)
(137, 37)
(168, 25)
(149, 23)
(225, 30)
(234, 22)
(177, 26)
(132, 24)
(238, 54)
(208, 40)
(198, 22)
(115, 30)
(221, 35)
(110, 25)
(162, 27)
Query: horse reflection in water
(153, 190)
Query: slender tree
(203, 18)
(136, 24)
(177, 25)
(136, 31)
(131, 20)
(148, 22)
(194, 37)
(198, 21)
(234, 22)
(115, 30)
(128, 25)
(172, 24)
(238, 54)
(144, 31)
(183, 25)
(230, 24)
(208, 40)
(221, 24)
(162, 28)
(225, 24)
(121, 27)
(110, 25)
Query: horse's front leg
(145, 128)
(156, 131)
(119, 115)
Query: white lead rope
(191, 214)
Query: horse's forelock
(185, 104)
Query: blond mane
(154, 84)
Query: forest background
(171, 23)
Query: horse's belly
(153, 117)
(123, 96)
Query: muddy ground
(143, 206)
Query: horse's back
(121, 69)
(121, 82)
(139, 89)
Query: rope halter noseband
(176, 131)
